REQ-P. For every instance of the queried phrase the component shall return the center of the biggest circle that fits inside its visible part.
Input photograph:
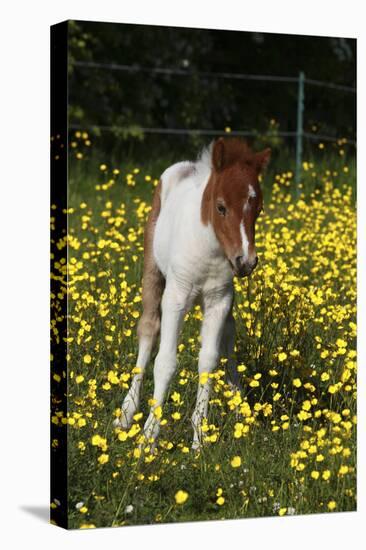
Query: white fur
(251, 192)
(244, 241)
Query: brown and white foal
(199, 235)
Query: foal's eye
(221, 209)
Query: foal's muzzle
(244, 267)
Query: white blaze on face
(244, 241)
(251, 195)
(244, 237)
(251, 192)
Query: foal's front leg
(216, 310)
(174, 305)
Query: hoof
(235, 386)
(144, 444)
(122, 423)
(196, 446)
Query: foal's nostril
(239, 260)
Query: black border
(58, 301)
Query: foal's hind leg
(149, 324)
(148, 331)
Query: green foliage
(139, 99)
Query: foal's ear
(218, 154)
(262, 159)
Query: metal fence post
(299, 129)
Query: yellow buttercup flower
(181, 496)
(236, 462)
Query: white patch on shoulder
(244, 241)
(173, 175)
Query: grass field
(287, 444)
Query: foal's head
(233, 200)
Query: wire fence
(208, 74)
(301, 81)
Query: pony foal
(199, 235)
